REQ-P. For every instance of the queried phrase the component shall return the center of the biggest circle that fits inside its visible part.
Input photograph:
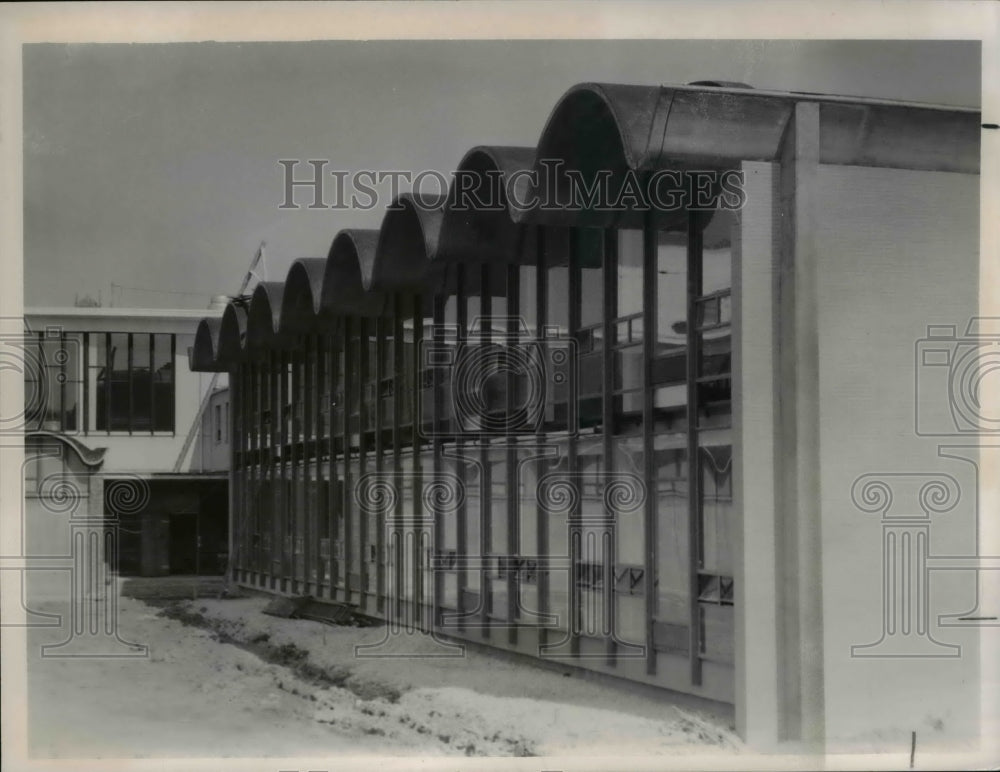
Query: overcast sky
(156, 166)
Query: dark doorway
(184, 543)
(182, 529)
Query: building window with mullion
(133, 382)
(53, 381)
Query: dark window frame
(103, 422)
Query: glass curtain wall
(591, 501)
(711, 344)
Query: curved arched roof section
(303, 294)
(477, 225)
(232, 336)
(352, 255)
(607, 129)
(600, 125)
(611, 128)
(407, 243)
(264, 316)
(204, 354)
(598, 132)
(365, 243)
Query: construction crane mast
(251, 273)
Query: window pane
(630, 279)
(589, 256)
(671, 296)
(387, 383)
(670, 355)
(116, 394)
(625, 499)
(628, 403)
(717, 264)
(35, 382)
(627, 360)
(718, 527)
(474, 512)
(370, 388)
(715, 381)
(557, 264)
(498, 502)
(555, 511)
(73, 386)
(99, 379)
(498, 309)
(672, 602)
(528, 290)
(141, 383)
(52, 358)
(473, 306)
(163, 383)
(714, 319)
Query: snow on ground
(480, 702)
(231, 681)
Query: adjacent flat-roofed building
(649, 435)
(109, 408)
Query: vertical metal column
(235, 527)
(254, 498)
(398, 392)
(350, 379)
(380, 562)
(513, 496)
(309, 568)
(415, 443)
(541, 514)
(462, 526)
(649, 340)
(334, 502)
(364, 381)
(287, 546)
(486, 473)
(294, 436)
(609, 271)
(694, 247)
(272, 456)
(572, 445)
(316, 354)
(437, 421)
(252, 475)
